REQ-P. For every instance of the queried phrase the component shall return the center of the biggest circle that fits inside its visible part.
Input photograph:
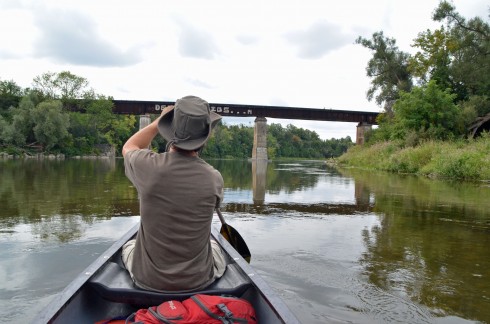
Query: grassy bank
(465, 159)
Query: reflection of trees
(432, 243)
(450, 199)
(290, 177)
(58, 197)
(237, 174)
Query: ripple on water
(318, 290)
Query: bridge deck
(155, 107)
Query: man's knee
(219, 259)
(127, 254)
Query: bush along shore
(462, 159)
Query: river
(338, 245)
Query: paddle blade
(235, 239)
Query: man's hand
(142, 139)
(166, 110)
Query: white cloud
(69, 37)
(319, 39)
(195, 42)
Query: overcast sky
(287, 53)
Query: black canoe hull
(104, 291)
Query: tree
(98, 125)
(51, 124)
(10, 94)
(19, 131)
(428, 111)
(433, 60)
(469, 51)
(388, 69)
(63, 85)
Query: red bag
(202, 309)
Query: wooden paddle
(234, 238)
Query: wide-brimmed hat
(189, 125)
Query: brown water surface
(339, 246)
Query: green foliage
(478, 105)
(40, 121)
(388, 69)
(425, 113)
(121, 128)
(412, 159)
(51, 125)
(10, 94)
(18, 129)
(456, 55)
(429, 111)
(236, 141)
(297, 142)
(374, 156)
(467, 160)
(63, 85)
(433, 60)
(452, 64)
(98, 125)
(462, 159)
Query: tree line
(436, 93)
(430, 99)
(62, 114)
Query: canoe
(104, 290)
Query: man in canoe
(178, 192)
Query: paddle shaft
(234, 238)
(223, 222)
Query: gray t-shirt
(178, 195)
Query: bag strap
(227, 319)
(130, 318)
(156, 314)
(160, 317)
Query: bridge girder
(235, 110)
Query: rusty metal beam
(234, 110)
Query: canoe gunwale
(61, 300)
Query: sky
(285, 53)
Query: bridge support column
(145, 120)
(259, 150)
(362, 128)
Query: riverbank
(102, 151)
(462, 160)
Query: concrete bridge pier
(259, 150)
(362, 129)
(145, 120)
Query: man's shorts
(219, 259)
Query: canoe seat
(113, 283)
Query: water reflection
(432, 244)
(259, 175)
(48, 194)
(305, 187)
(338, 244)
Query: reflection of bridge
(363, 118)
(362, 196)
(317, 209)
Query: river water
(338, 245)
